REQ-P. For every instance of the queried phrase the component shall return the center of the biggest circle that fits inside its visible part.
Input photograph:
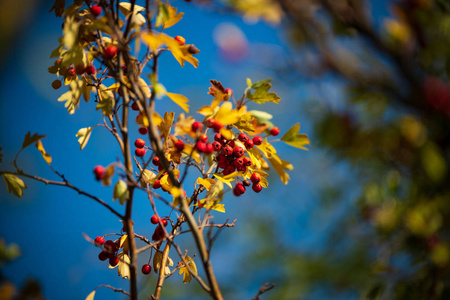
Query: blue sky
(47, 222)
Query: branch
(266, 287)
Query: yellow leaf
(280, 165)
(267, 149)
(179, 100)
(207, 183)
(70, 32)
(137, 18)
(30, 139)
(154, 41)
(124, 265)
(41, 149)
(109, 172)
(147, 177)
(157, 259)
(293, 138)
(227, 178)
(90, 296)
(14, 184)
(206, 111)
(84, 134)
(166, 125)
(174, 17)
(187, 270)
(212, 204)
(184, 126)
(226, 115)
(190, 150)
(255, 156)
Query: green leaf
(84, 134)
(249, 82)
(91, 295)
(260, 83)
(120, 191)
(14, 184)
(261, 94)
(293, 138)
(163, 14)
(30, 139)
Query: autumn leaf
(109, 172)
(107, 101)
(226, 114)
(163, 14)
(253, 10)
(212, 204)
(293, 138)
(70, 32)
(227, 179)
(187, 270)
(267, 149)
(44, 154)
(261, 94)
(14, 184)
(166, 125)
(207, 183)
(120, 191)
(124, 265)
(184, 126)
(173, 17)
(58, 6)
(280, 165)
(90, 296)
(180, 100)
(147, 177)
(84, 134)
(137, 18)
(157, 259)
(30, 139)
(189, 150)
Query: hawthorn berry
(71, 71)
(255, 178)
(156, 184)
(223, 164)
(110, 246)
(56, 84)
(197, 126)
(155, 161)
(242, 137)
(257, 140)
(241, 168)
(179, 145)
(217, 126)
(139, 143)
(99, 171)
(113, 261)
(247, 162)
(246, 182)
(139, 152)
(158, 234)
(146, 269)
(80, 69)
(154, 219)
(103, 256)
(209, 123)
(181, 40)
(231, 143)
(230, 169)
(275, 131)
(193, 50)
(239, 189)
(217, 146)
(238, 162)
(238, 151)
(209, 148)
(99, 241)
(200, 146)
(227, 150)
(90, 70)
(143, 130)
(134, 106)
(218, 137)
(249, 144)
(221, 158)
(204, 138)
(256, 187)
(96, 10)
(229, 92)
(110, 51)
(164, 222)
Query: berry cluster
(109, 251)
(159, 231)
(140, 147)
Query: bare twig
(266, 287)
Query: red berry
(223, 164)
(110, 51)
(221, 158)
(139, 152)
(90, 70)
(180, 40)
(242, 137)
(179, 145)
(247, 162)
(155, 161)
(80, 69)
(204, 138)
(249, 144)
(110, 246)
(217, 146)
(156, 185)
(143, 130)
(232, 144)
(238, 151)
(209, 148)
(146, 269)
(99, 171)
(227, 150)
(113, 261)
(200, 146)
(139, 143)
(58, 61)
(255, 178)
(229, 92)
(246, 182)
(256, 187)
(218, 137)
(103, 255)
(71, 71)
(96, 10)
(275, 131)
(257, 140)
(230, 169)
(164, 222)
(56, 84)
(216, 126)
(197, 126)
(240, 187)
(238, 162)
(134, 106)
(158, 234)
(154, 219)
(241, 168)
(209, 123)
(99, 241)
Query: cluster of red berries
(109, 251)
(140, 147)
(159, 231)
(239, 188)
(81, 69)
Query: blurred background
(365, 215)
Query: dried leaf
(30, 139)
(91, 295)
(44, 154)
